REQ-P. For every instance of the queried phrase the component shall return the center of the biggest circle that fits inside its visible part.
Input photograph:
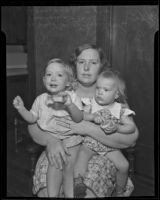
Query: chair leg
(32, 167)
(131, 158)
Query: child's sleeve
(35, 109)
(127, 112)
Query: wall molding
(104, 22)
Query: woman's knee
(124, 166)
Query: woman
(88, 61)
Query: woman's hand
(57, 153)
(80, 128)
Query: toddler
(58, 102)
(107, 109)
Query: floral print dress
(100, 177)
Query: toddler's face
(55, 78)
(106, 91)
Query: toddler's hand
(109, 126)
(18, 103)
(66, 97)
(98, 119)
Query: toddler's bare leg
(82, 161)
(54, 180)
(122, 166)
(80, 189)
(69, 171)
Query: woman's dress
(100, 177)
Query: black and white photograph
(81, 100)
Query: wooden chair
(25, 142)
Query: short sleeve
(128, 112)
(36, 107)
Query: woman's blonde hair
(110, 73)
(68, 70)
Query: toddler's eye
(60, 75)
(48, 74)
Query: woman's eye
(94, 63)
(80, 62)
(60, 75)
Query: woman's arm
(127, 125)
(55, 149)
(115, 140)
(39, 136)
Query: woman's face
(88, 66)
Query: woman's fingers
(51, 160)
(70, 132)
(64, 154)
(64, 122)
(55, 160)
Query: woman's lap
(100, 177)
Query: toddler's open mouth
(53, 85)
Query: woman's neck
(83, 91)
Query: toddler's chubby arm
(126, 126)
(27, 115)
(75, 113)
(92, 117)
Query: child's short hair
(67, 69)
(110, 73)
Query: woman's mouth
(86, 75)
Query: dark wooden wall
(127, 35)
(129, 44)
(55, 32)
(16, 85)
(13, 24)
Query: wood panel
(14, 24)
(16, 85)
(55, 31)
(132, 31)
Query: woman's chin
(87, 83)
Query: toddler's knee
(69, 167)
(79, 172)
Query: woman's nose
(86, 66)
